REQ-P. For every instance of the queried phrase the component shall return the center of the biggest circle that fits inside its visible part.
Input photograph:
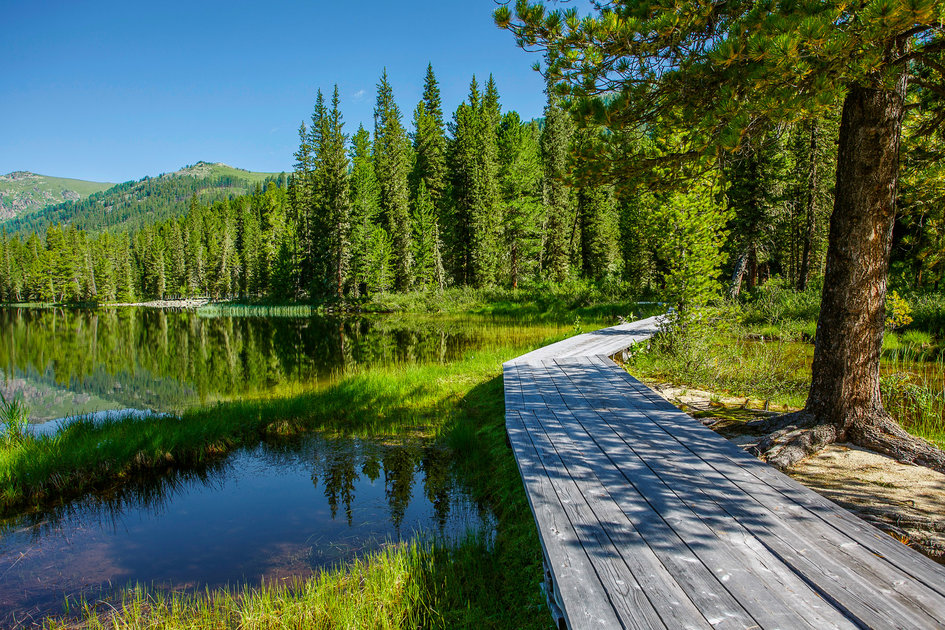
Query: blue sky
(113, 91)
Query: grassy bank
(762, 350)
(476, 584)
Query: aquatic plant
(14, 420)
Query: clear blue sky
(113, 91)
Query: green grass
(14, 420)
(761, 361)
(477, 583)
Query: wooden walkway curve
(649, 520)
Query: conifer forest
(480, 198)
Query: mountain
(23, 193)
(134, 204)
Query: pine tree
(520, 193)
(176, 260)
(559, 217)
(377, 264)
(124, 272)
(429, 142)
(719, 72)
(474, 165)
(336, 196)
(462, 171)
(392, 169)
(428, 260)
(365, 200)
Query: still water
(68, 361)
(273, 512)
(269, 513)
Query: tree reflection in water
(287, 507)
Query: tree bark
(845, 372)
(741, 264)
(844, 401)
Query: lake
(276, 511)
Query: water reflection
(273, 512)
(68, 361)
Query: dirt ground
(904, 500)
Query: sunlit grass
(754, 361)
(477, 583)
(406, 585)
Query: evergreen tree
(335, 195)
(377, 263)
(428, 261)
(429, 142)
(176, 260)
(559, 219)
(462, 170)
(474, 165)
(392, 169)
(718, 73)
(365, 201)
(520, 194)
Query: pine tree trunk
(752, 267)
(813, 181)
(845, 379)
(844, 401)
(740, 266)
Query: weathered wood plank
(873, 589)
(626, 594)
(650, 520)
(582, 594)
(738, 465)
(753, 575)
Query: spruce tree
(462, 171)
(336, 197)
(520, 194)
(429, 142)
(392, 169)
(559, 216)
(365, 201)
(427, 256)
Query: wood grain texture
(650, 520)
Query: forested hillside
(477, 198)
(23, 193)
(132, 205)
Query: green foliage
(704, 349)
(691, 225)
(392, 169)
(897, 311)
(14, 421)
(558, 197)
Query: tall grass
(711, 352)
(14, 421)
(477, 583)
(726, 351)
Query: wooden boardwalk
(650, 520)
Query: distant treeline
(133, 205)
(485, 199)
